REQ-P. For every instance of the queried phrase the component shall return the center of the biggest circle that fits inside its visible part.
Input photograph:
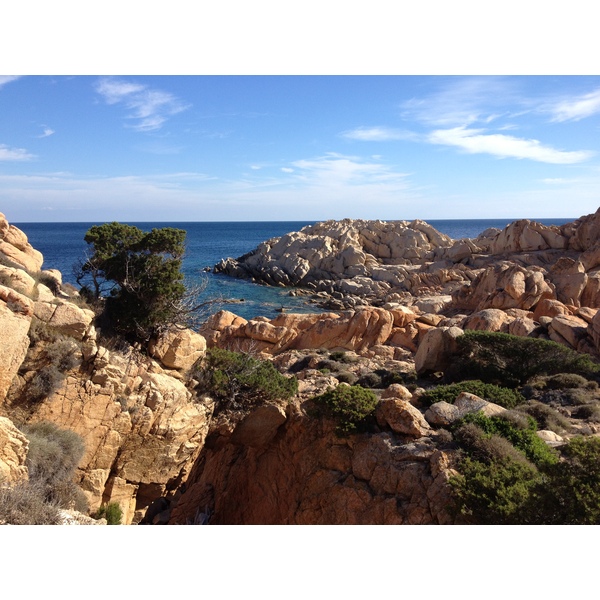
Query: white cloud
(149, 107)
(287, 170)
(7, 153)
(47, 132)
(474, 141)
(377, 134)
(4, 79)
(576, 109)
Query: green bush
(524, 439)
(349, 406)
(511, 360)
(494, 493)
(111, 512)
(499, 395)
(235, 379)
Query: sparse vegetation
(112, 512)
(52, 458)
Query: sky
(239, 148)
(244, 111)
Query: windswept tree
(138, 276)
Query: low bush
(112, 512)
(52, 458)
(346, 377)
(523, 438)
(511, 360)
(236, 379)
(545, 416)
(349, 406)
(589, 412)
(24, 504)
(499, 395)
(343, 357)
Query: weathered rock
(13, 453)
(402, 417)
(436, 349)
(178, 348)
(259, 427)
(15, 320)
(490, 319)
(444, 413)
(65, 317)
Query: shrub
(342, 356)
(500, 395)
(494, 493)
(525, 439)
(111, 512)
(236, 378)
(370, 380)
(546, 417)
(52, 458)
(348, 405)
(589, 412)
(511, 360)
(346, 377)
(24, 504)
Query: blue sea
(62, 245)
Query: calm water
(62, 246)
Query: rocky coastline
(399, 295)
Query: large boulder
(436, 350)
(178, 348)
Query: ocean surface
(63, 246)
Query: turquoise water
(62, 246)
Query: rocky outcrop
(15, 249)
(307, 475)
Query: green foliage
(349, 406)
(511, 360)
(575, 484)
(523, 438)
(236, 378)
(140, 272)
(111, 512)
(494, 493)
(448, 393)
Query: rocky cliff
(399, 293)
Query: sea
(63, 246)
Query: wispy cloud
(474, 141)
(336, 169)
(463, 101)
(378, 134)
(7, 153)
(575, 109)
(4, 79)
(47, 132)
(150, 108)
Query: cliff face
(306, 475)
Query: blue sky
(219, 148)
